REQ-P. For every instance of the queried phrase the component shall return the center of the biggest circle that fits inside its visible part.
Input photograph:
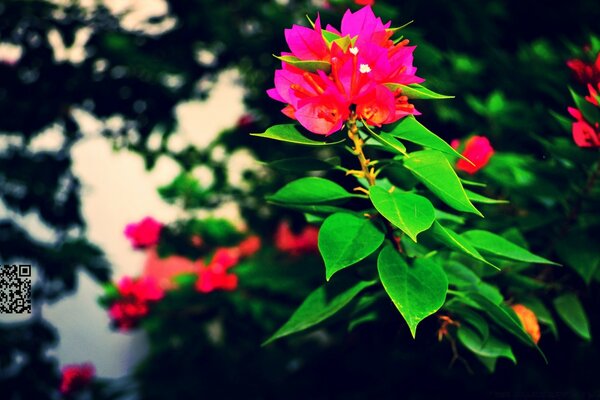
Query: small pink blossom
(295, 244)
(133, 302)
(144, 233)
(76, 377)
(364, 2)
(584, 134)
(478, 150)
(163, 270)
(593, 97)
(586, 72)
(249, 246)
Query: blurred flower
(584, 134)
(76, 377)
(364, 2)
(163, 270)
(478, 150)
(529, 321)
(249, 246)
(586, 73)
(215, 276)
(360, 65)
(10, 53)
(133, 303)
(304, 242)
(144, 233)
(593, 97)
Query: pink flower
(133, 303)
(478, 150)
(593, 97)
(163, 270)
(584, 134)
(215, 275)
(76, 377)
(144, 233)
(249, 246)
(295, 244)
(364, 2)
(362, 68)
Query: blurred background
(104, 102)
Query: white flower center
(364, 68)
(354, 50)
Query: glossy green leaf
(541, 312)
(474, 320)
(411, 213)
(345, 239)
(303, 164)
(456, 242)
(490, 347)
(435, 172)
(498, 246)
(571, 311)
(478, 198)
(311, 190)
(412, 130)
(306, 65)
(321, 304)
(580, 252)
(389, 142)
(416, 291)
(416, 91)
(290, 133)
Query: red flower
(584, 134)
(144, 233)
(478, 150)
(594, 96)
(215, 275)
(364, 2)
(76, 377)
(163, 270)
(586, 73)
(304, 242)
(249, 246)
(133, 303)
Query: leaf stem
(358, 142)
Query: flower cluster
(296, 244)
(586, 132)
(135, 296)
(144, 233)
(331, 73)
(477, 149)
(76, 377)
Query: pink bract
(144, 233)
(358, 67)
(584, 134)
(477, 149)
(76, 377)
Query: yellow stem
(353, 134)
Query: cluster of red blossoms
(586, 133)
(144, 233)
(306, 241)
(329, 72)
(133, 303)
(76, 377)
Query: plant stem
(354, 135)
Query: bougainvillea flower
(133, 302)
(296, 244)
(249, 246)
(76, 377)
(163, 270)
(477, 149)
(364, 2)
(586, 73)
(359, 67)
(144, 233)
(529, 321)
(210, 279)
(584, 134)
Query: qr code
(15, 289)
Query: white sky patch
(51, 139)
(204, 175)
(10, 53)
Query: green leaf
(290, 133)
(409, 212)
(489, 348)
(303, 164)
(329, 37)
(435, 172)
(306, 65)
(345, 239)
(311, 190)
(412, 130)
(389, 142)
(477, 198)
(456, 242)
(321, 304)
(505, 318)
(416, 91)
(541, 312)
(579, 252)
(588, 110)
(416, 291)
(571, 311)
(475, 321)
(498, 246)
